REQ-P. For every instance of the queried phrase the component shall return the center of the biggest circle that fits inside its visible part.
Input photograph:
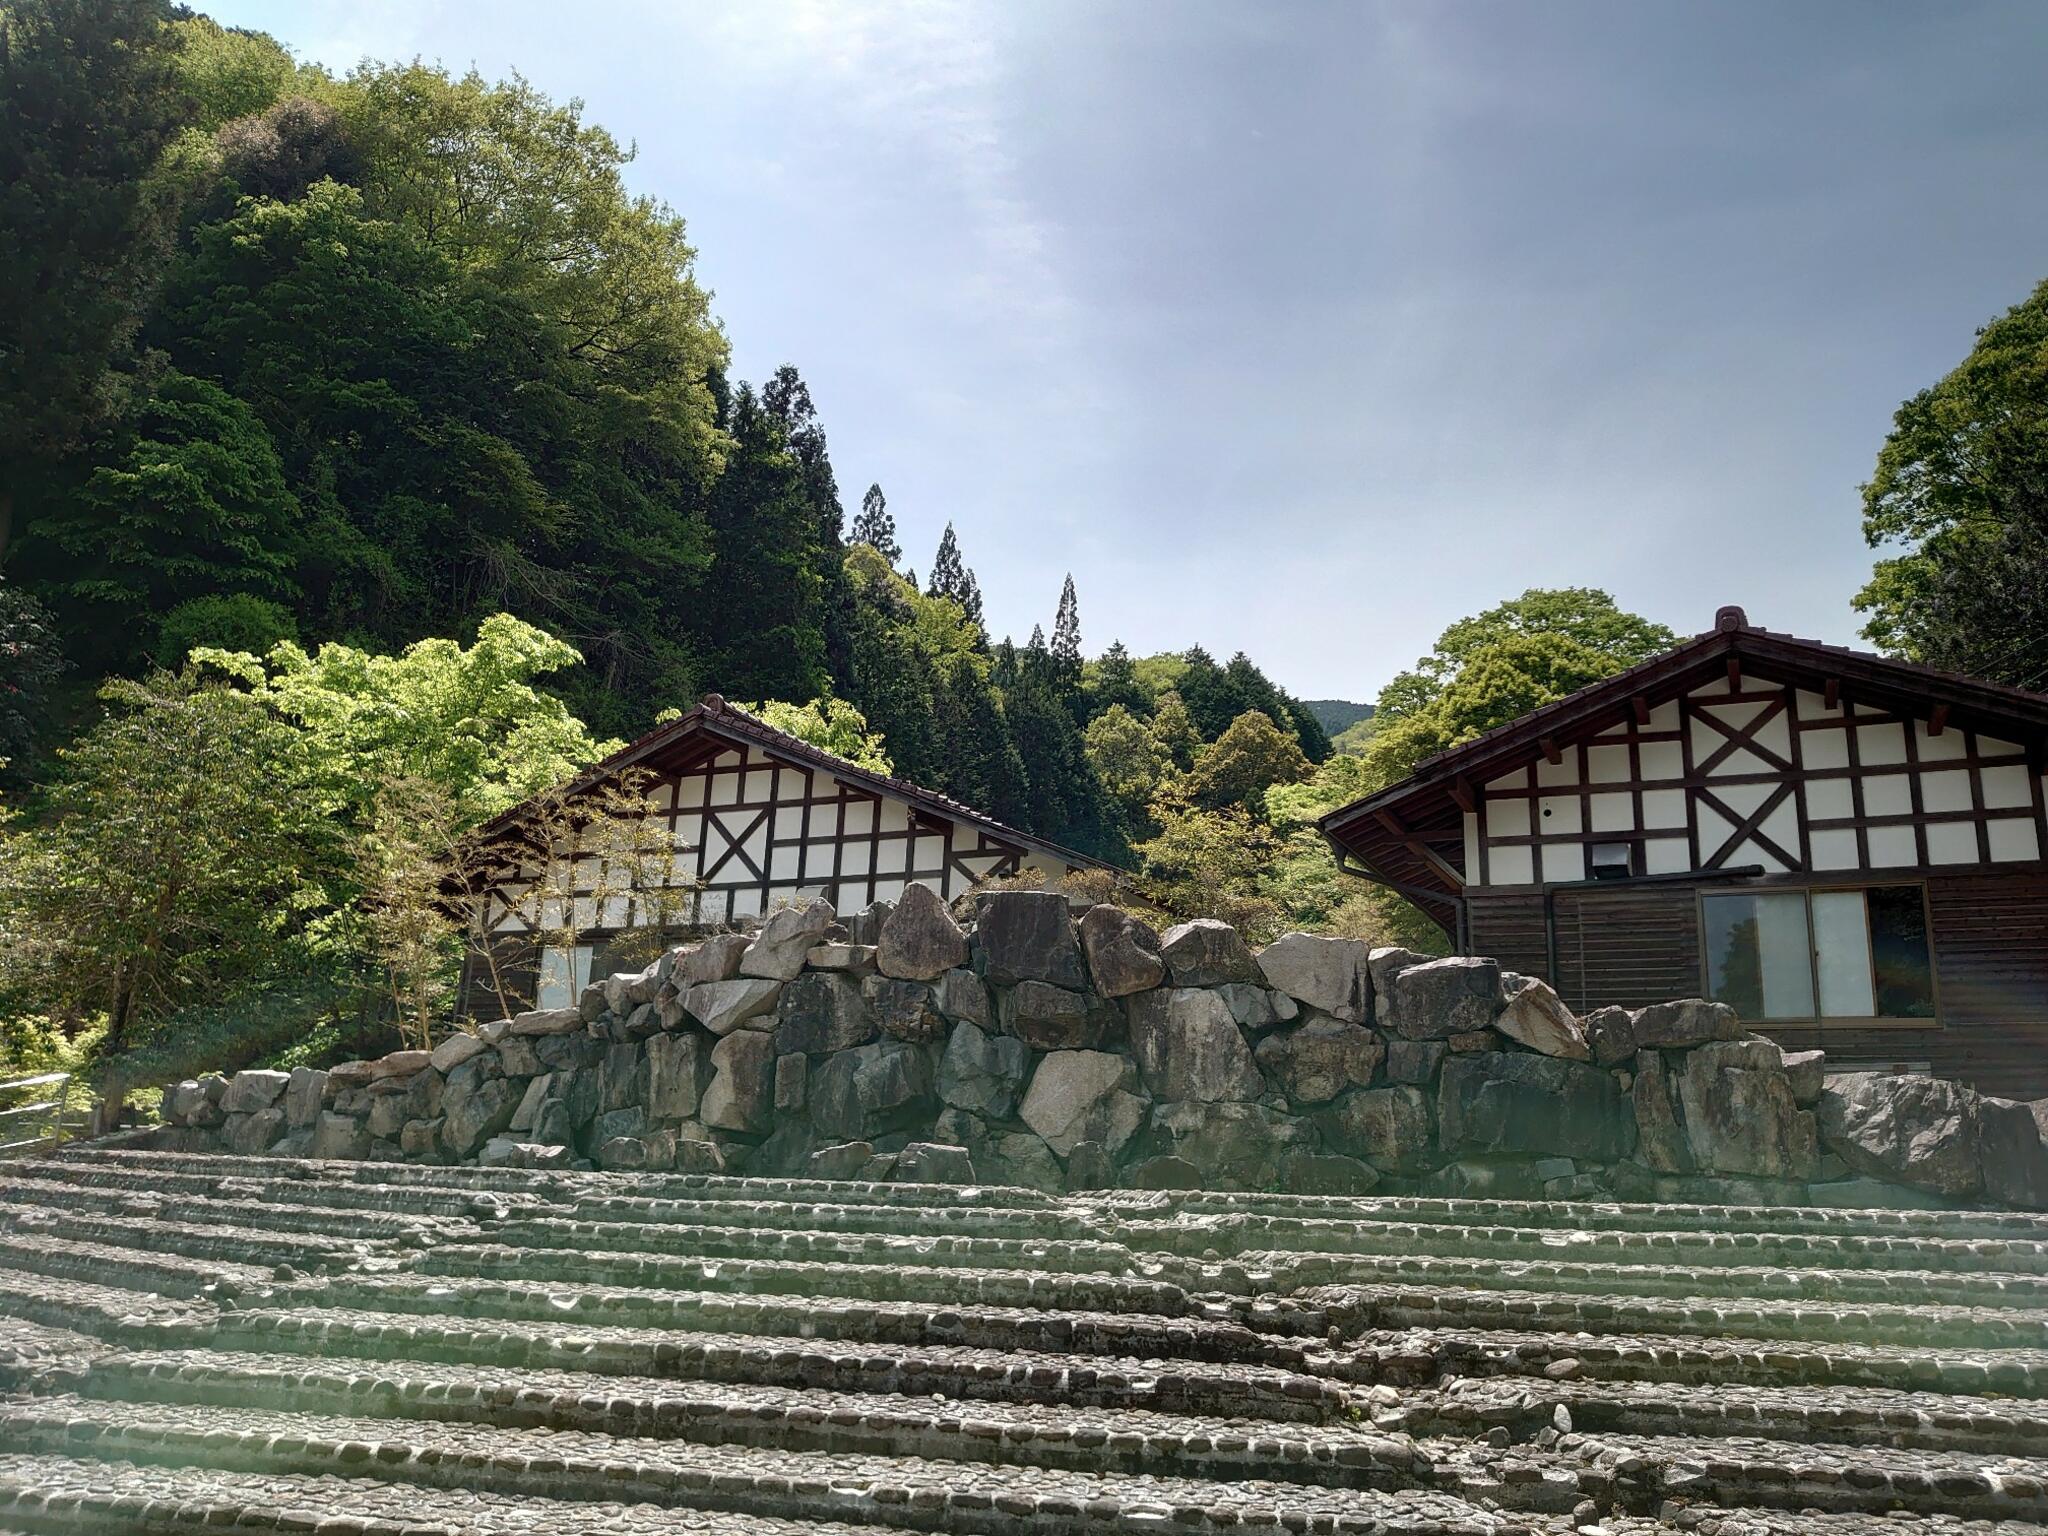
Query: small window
(1611, 861)
(1844, 954)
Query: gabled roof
(1400, 833)
(717, 720)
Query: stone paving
(196, 1342)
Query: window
(564, 973)
(1832, 954)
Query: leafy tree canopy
(1238, 766)
(830, 724)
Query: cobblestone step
(900, 1491)
(308, 1188)
(1058, 1432)
(103, 1312)
(193, 1240)
(938, 1220)
(230, 1210)
(104, 1264)
(1209, 1334)
(949, 1370)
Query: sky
(1306, 329)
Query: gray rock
(870, 1090)
(253, 1089)
(1028, 936)
(1441, 998)
(186, 1101)
(1258, 1007)
(792, 1078)
(778, 950)
(2013, 1152)
(983, 1073)
(715, 959)
(1167, 1172)
(1508, 1103)
(819, 1013)
(724, 1006)
(1740, 1116)
(455, 1050)
(536, 1094)
(1206, 953)
(1325, 1173)
(548, 1021)
(678, 1066)
(474, 1108)
(400, 1064)
(1328, 974)
(1394, 1129)
(652, 1152)
(1320, 1059)
(1089, 1166)
(742, 1092)
(1234, 1145)
(1807, 1071)
(842, 1161)
(1078, 1096)
(696, 1154)
(1536, 1016)
(1123, 952)
(903, 1010)
(1920, 1131)
(930, 1162)
(1049, 1018)
(387, 1117)
(1189, 1047)
(1019, 1157)
(1415, 1061)
(856, 960)
(523, 1058)
(420, 1139)
(1611, 1034)
(1661, 1142)
(962, 997)
(622, 1077)
(339, 1136)
(625, 991)
(251, 1131)
(1382, 965)
(302, 1095)
(865, 926)
(919, 939)
(1688, 1021)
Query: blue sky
(1305, 329)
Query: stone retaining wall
(1045, 1047)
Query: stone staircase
(190, 1342)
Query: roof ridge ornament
(1729, 619)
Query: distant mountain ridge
(1335, 715)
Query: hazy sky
(1305, 329)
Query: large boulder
(1123, 952)
(1021, 1157)
(1320, 1059)
(1808, 1071)
(678, 1065)
(1661, 1143)
(931, 1162)
(871, 1090)
(1325, 973)
(1441, 998)
(626, 990)
(1920, 1131)
(903, 1010)
(1049, 1018)
(455, 1050)
(1206, 953)
(622, 1076)
(1078, 1096)
(474, 1108)
(1688, 1021)
(253, 1089)
(1029, 936)
(1258, 1007)
(1394, 1129)
(339, 1136)
(742, 1092)
(536, 1022)
(820, 1012)
(2013, 1151)
(1381, 966)
(303, 1091)
(1189, 1047)
(251, 1131)
(1415, 1061)
(1233, 1146)
(962, 997)
(715, 959)
(724, 1006)
(920, 941)
(1740, 1113)
(1611, 1035)
(1536, 1016)
(1508, 1103)
(778, 950)
(981, 1072)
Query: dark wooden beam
(1735, 674)
(1937, 722)
(1641, 706)
(1831, 694)
(1420, 849)
(1550, 753)
(1461, 791)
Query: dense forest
(370, 458)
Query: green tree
(1128, 760)
(1173, 728)
(1204, 863)
(875, 527)
(229, 72)
(1066, 636)
(830, 724)
(1958, 493)
(1112, 679)
(89, 100)
(30, 665)
(1237, 767)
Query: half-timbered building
(1848, 849)
(758, 819)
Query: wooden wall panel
(1991, 975)
(1509, 928)
(1627, 947)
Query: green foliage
(1216, 695)
(1961, 491)
(1126, 757)
(235, 621)
(1239, 765)
(30, 664)
(875, 527)
(830, 724)
(1337, 715)
(229, 72)
(1173, 728)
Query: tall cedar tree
(951, 579)
(1066, 637)
(788, 399)
(875, 527)
(88, 101)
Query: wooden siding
(1627, 947)
(1508, 926)
(1991, 971)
